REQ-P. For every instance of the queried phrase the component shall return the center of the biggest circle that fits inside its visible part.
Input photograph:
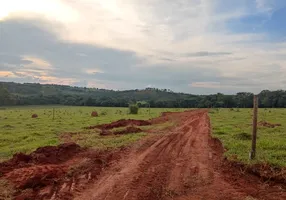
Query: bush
(133, 109)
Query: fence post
(254, 127)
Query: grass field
(233, 128)
(21, 133)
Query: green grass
(94, 140)
(21, 133)
(233, 128)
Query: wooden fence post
(254, 127)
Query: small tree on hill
(133, 108)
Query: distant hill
(43, 94)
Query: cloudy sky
(193, 46)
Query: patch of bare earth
(185, 163)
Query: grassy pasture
(233, 127)
(19, 132)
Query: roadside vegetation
(234, 127)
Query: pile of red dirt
(72, 170)
(34, 115)
(267, 124)
(94, 114)
(43, 155)
(35, 176)
(121, 123)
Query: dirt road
(185, 163)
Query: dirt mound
(35, 176)
(57, 181)
(267, 124)
(55, 154)
(94, 114)
(43, 155)
(122, 123)
(34, 116)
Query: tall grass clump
(133, 108)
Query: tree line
(46, 94)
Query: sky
(192, 46)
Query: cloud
(197, 46)
(205, 53)
(36, 63)
(12, 59)
(6, 74)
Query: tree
(5, 97)
(43, 94)
(89, 102)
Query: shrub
(133, 109)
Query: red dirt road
(184, 164)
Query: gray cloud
(206, 53)
(12, 59)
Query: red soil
(129, 129)
(34, 116)
(185, 163)
(94, 114)
(43, 155)
(122, 123)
